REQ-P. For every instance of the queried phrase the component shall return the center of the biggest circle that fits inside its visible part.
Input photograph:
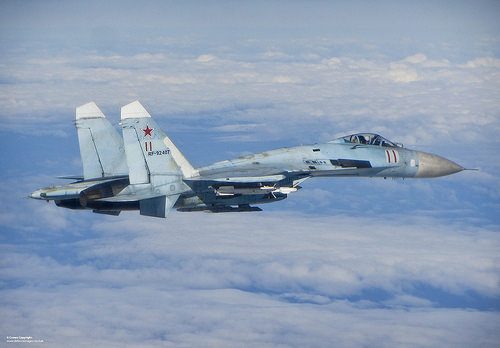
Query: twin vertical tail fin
(153, 159)
(155, 166)
(101, 147)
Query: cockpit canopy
(366, 139)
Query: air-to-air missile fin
(101, 146)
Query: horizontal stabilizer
(70, 177)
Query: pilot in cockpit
(358, 138)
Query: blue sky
(359, 262)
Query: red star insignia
(147, 131)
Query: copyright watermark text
(22, 339)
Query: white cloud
(416, 58)
(166, 79)
(256, 279)
(422, 60)
(338, 91)
(237, 127)
(296, 253)
(483, 62)
(205, 58)
(145, 317)
(334, 61)
(275, 54)
(283, 79)
(402, 73)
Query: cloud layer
(265, 279)
(345, 262)
(416, 98)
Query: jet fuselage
(144, 169)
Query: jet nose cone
(36, 194)
(431, 166)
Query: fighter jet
(145, 171)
